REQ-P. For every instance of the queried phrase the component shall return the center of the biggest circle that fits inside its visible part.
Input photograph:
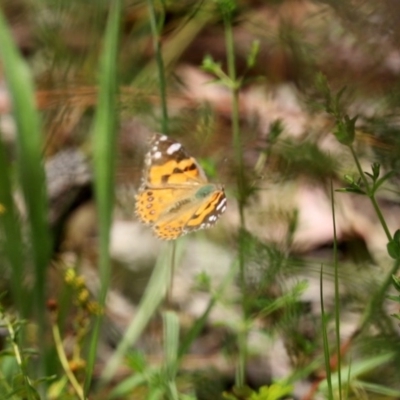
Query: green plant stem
(15, 347)
(337, 300)
(160, 66)
(235, 117)
(104, 154)
(17, 352)
(371, 195)
(325, 340)
(235, 84)
(378, 297)
(171, 274)
(64, 362)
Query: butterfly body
(175, 197)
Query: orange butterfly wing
(175, 196)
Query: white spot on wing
(222, 205)
(157, 155)
(163, 138)
(173, 148)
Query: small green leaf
(203, 282)
(369, 174)
(238, 393)
(376, 170)
(355, 190)
(275, 130)
(321, 83)
(209, 65)
(136, 361)
(253, 54)
(349, 179)
(393, 247)
(274, 392)
(345, 130)
(393, 298)
(337, 105)
(354, 186)
(227, 7)
(384, 178)
(396, 282)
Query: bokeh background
(285, 103)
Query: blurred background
(307, 73)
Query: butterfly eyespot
(182, 200)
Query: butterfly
(175, 197)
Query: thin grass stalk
(325, 339)
(104, 154)
(64, 362)
(348, 380)
(178, 42)
(172, 274)
(31, 175)
(229, 42)
(160, 65)
(337, 292)
(237, 143)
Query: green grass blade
(171, 345)
(104, 154)
(127, 386)
(171, 340)
(378, 389)
(337, 291)
(11, 237)
(325, 339)
(29, 161)
(152, 297)
(356, 369)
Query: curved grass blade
(104, 152)
(151, 299)
(29, 165)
